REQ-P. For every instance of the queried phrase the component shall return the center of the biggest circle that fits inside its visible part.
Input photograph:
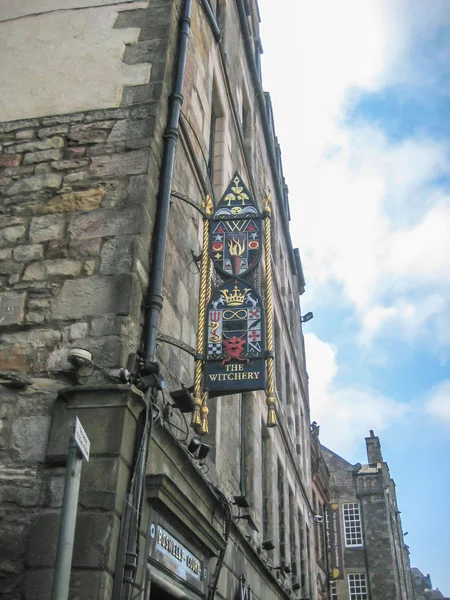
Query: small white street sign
(81, 439)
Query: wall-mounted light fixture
(183, 399)
(284, 569)
(318, 519)
(241, 502)
(307, 317)
(268, 545)
(198, 449)
(249, 520)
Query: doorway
(159, 593)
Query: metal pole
(64, 552)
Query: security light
(268, 545)
(307, 317)
(194, 445)
(241, 501)
(204, 451)
(249, 520)
(198, 450)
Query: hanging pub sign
(235, 328)
(235, 239)
(235, 340)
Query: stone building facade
(321, 495)
(88, 118)
(375, 558)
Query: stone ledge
(108, 415)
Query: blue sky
(362, 111)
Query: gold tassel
(271, 414)
(204, 412)
(196, 420)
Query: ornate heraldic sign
(232, 330)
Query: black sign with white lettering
(235, 340)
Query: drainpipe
(212, 20)
(154, 299)
(128, 550)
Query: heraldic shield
(235, 244)
(235, 344)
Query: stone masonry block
(117, 165)
(41, 156)
(107, 223)
(92, 547)
(93, 296)
(28, 253)
(9, 160)
(8, 267)
(43, 541)
(130, 130)
(63, 266)
(80, 200)
(13, 125)
(36, 271)
(145, 51)
(36, 183)
(50, 227)
(47, 144)
(29, 438)
(25, 134)
(84, 584)
(92, 136)
(11, 308)
(117, 256)
(13, 234)
(108, 415)
(101, 478)
(50, 131)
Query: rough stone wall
(383, 557)
(77, 209)
(77, 202)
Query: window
(357, 586)
(352, 524)
(218, 170)
(334, 595)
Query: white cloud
(345, 413)
(368, 214)
(437, 403)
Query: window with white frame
(352, 524)
(334, 595)
(357, 586)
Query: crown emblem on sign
(236, 298)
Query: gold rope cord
(203, 430)
(270, 390)
(205, 287)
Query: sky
(361, 98)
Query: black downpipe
(128, 548)
(248, 42)
(212, 20)
(154, 300)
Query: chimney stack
(373, 449)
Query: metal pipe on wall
(128, 550)
(155, 291)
